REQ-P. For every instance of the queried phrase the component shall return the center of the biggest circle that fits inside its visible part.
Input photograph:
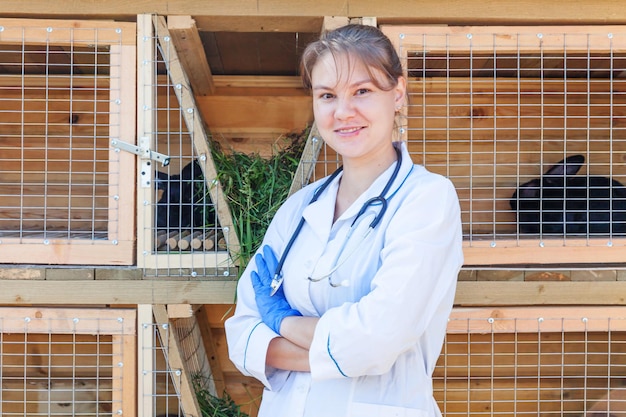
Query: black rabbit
(179, 206)
(561, 203)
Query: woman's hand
(273, 308)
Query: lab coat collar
(319, 215)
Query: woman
(358, 323)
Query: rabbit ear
(569, 166)
(530, 189)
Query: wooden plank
(308, 160)
(67, 32)
(536, 319)
(122, 165)
(544, 251)
(146, 80)
(428, 11)
(191, 53)
(251, 23)
(63, 251)
(146, 360)
(116, 292)
(204, 319)
(519, 39)
(469, 293)
(200, 138)
(482, 293)
(68, 320)
(176, 363)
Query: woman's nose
(345, 109)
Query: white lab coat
(378, 339)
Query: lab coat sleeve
(410, 293)
(247, 336)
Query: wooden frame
(487, 249)
(153, 29)
(118, 247)
(120, 324)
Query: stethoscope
(277, 280)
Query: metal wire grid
(186, 237)
(495, 109)
(46, 370)
(164, 397)
(56, 119)
(543, 373)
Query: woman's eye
(362, 91)
(326, 96)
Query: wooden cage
(62, 186)
(59, 361)
(495, 107)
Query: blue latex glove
(273, 308)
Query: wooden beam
(17, 292)
(200, 137)
(188, 44)
(210, 346)
(176, 362)
(490, 293)
(402, 11)
(469, 293)
(302, 24)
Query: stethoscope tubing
(277, 279)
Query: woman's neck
(357, 177)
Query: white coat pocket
(377, 410)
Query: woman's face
(353, 115)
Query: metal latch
(143, 150)
(146, 154)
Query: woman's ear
(400, 91)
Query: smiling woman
(331, 350)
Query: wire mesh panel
(184, 226)
(175, 369)
(496, 109)
(66, 89)
(67, 362)
(533, 362)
